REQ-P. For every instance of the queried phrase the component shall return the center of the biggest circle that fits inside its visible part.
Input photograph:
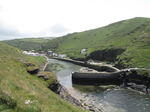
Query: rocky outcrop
(106, 54)
(32, 69)
(55, 85)
(139, 87)
(62, 91)
(45, 77)
(137, 79)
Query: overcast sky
(49, 18)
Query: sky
(53, 18)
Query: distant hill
(126, 43)
(28, 43)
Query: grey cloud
(9, 32)
(1, 8)
(58, 28)
(6, 30)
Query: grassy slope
(118, 35)
(28, 43)
(16, 86)
(133, 35)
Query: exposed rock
(62, 91)
(137, 79)
(106, 54)
(43, 76)
(29, 64)
(33, 70)
(139, 87)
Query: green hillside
(28, 43)
(127, 43)
(17, 86)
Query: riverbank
(59, 89)
(72, 97)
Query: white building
(50, 53)
(55, 55)
(83, 51)
(62, 56)
(30, 53)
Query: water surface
(108, 98)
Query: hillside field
(17, 86)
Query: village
(52, 54)
(48, 53)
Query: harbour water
(106, 98)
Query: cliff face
(106, 55)
(137, 79)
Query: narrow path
(44, 67)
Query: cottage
(50, 53)
(55, 55)
(30, 53)
(83, 51)
(62, 56)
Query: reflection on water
(110, 98)
(92, 89)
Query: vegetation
(22, 92)
(28, 43)
(126, 43)
(54, 67)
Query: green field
(17, 85)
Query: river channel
(107, 98)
